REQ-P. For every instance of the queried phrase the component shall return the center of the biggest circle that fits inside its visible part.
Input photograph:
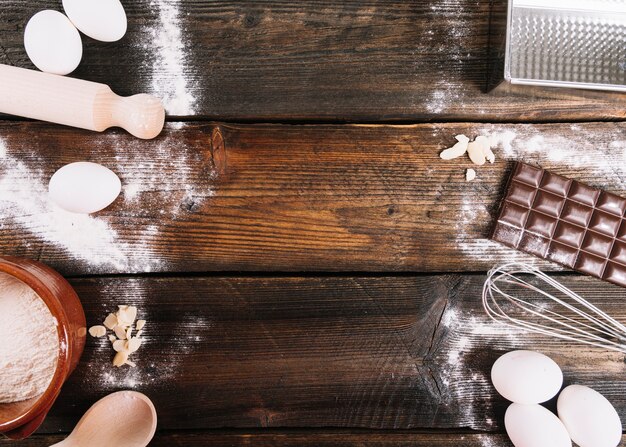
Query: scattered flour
(469, 387)
(170, 73)
(95, 239)
(29, 344)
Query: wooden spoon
(122, 419)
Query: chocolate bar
(564, 221)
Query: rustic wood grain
(325, 438)
(284, 198)
(365, 61)
(369, 352)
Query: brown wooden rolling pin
(77, 103)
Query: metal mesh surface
(567, 45)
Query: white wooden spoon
(122, 419)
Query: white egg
(84, 187)
(103, 20)
(534, 426)
(526, 377)
(589, 417)
(52, 43)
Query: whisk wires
(520, 295)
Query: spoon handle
(77, 103)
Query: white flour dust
(29, 344)
(450, 39)
(168, 48)
(469, 387)
(580, 149)
(24, 204)
(96, 239)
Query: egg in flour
(84, 187)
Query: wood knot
(218, 151)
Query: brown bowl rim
(45, 400)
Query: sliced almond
(140, 324)
(110, 322)
(131, 364)
(126, 315)
(112, 338)
(476, 153)
(486, 144)
(97, 331)
(129, 333)
(139, 334)
(120, 332)
(134, 344)
(120, 359)
(120, 346)
(470, 175)
(457, 150)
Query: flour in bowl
(29, 343)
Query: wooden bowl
(20, 419)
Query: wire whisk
(520, 295)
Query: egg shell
(589, 417)
(526, 377)
(103, 20)
(52, 43)
(534, 426)
(84, 187)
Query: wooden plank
(327, 438)
(307, 438)
(351, 60)
(284, 198)
(368, 352)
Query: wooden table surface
(309, 268)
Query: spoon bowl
(121, 419)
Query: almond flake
(120, 346)
(140, 324)
(120, 332)
(120, 359)
(134, 344)
(97, 331)
(110, 322)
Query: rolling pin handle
(142, 115)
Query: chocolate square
(605, 223)
(576, 213)
(521, 194)
(579, 192)
(556, 184)
(528, 174)
(597, 244)
(569, 234)
(548, 203)
(611, 203)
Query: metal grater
(567, 43)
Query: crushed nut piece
(470, 175)
(120, 358)
(121, 323)
(97, 331)
(110, 322)
(120, 332)
(476, 153)
(457, 150)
